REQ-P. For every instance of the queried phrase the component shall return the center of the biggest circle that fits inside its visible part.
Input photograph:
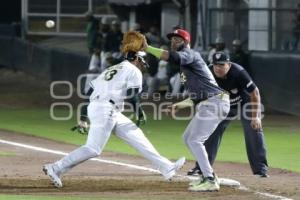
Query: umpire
(244, 94)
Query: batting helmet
(131, 56)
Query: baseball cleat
(48, 170)
(177, 166)
(197, 181)
(194, 172)
(201, 178)
(207, 185)
(262, 175)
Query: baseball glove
(132, 41)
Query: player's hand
(145, 44)
(256, 123)
(81, 128)
(172, 110)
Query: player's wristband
(154, 51)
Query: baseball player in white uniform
(113, 86)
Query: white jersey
(113, 83)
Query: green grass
(115, 196)
(5, 153)
(166, 135)
(29, 197)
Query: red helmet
(181, 33)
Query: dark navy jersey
(238, 83)
(194, 74)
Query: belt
(222, 95)
(112, 102)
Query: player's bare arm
(172, 109)
(255, 102)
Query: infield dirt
(21, 174)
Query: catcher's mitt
(132, 41)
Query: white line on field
(128, 165)
(63, 153)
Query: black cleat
(262, 175)
(194, 172)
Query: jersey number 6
(110, 74)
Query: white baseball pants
(104, 119)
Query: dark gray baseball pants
(254, 140)
(209, 114)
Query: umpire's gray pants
(209, 114)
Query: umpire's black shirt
(194, 74)
(238, 83)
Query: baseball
(50, 23)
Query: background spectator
(114, 37)
(94, 44)
(218, 46)
(296, 30)
(238, 55)
(91, 31)
(211, 50)
(154, 39)
(292, 42)
(160, 78)
(105, 44)
(221, 45)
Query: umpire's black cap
(220, 57)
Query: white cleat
(48, 170)
(201, 178)
(206, 185)
(197, 181)
(177, 166)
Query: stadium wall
(277, 74)
(51, 64)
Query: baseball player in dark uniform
(212, 103)
(243, 95)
